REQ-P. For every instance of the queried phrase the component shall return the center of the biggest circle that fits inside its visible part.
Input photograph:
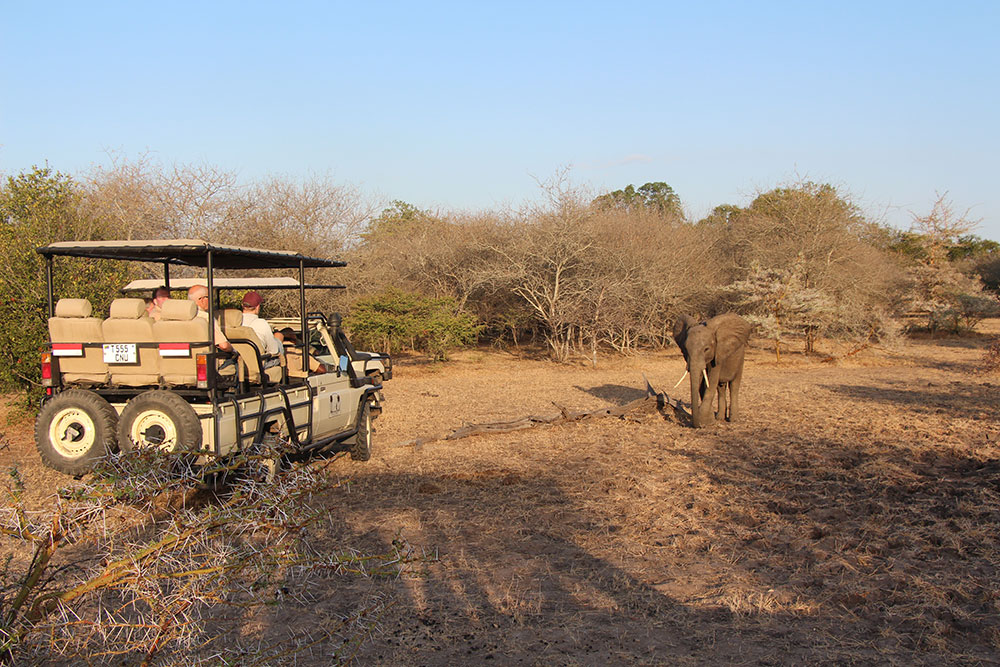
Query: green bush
(396, 320)
(37, 208)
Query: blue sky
(465, 105)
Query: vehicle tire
(74, 430)
(160, 419)
(361, 447)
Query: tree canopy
(658, 197)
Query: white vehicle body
(128, 381)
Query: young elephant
(714, 353)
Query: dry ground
(852, 516)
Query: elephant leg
(734, 397)
(721, 390)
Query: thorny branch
(163, 548)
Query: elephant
(714, 352)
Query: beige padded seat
(128, 323)
(70, 329)
(181, 337)
(232, 326)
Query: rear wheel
(74, 430)
(159, 419)
(361, 448)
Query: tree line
(580, 275)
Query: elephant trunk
(699, 394)
(702, 396)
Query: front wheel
(361, 448)
(74, 430)
(160, 419)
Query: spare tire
(161, 419)
(74, 430)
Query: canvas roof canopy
(149, 284)
(187, 252)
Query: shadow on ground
(820, 550)
(613, 393)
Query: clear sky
(464, 105)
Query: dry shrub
(577, 276)
(153, 559)
(812, 244)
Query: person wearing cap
(251, 318)
(199, 294)
(155, 306)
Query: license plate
(120, 353)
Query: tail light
(201, 362)
(46, 369)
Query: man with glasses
(199, 294)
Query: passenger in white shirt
(199, 294)
(251, 318)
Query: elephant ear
(731, 333)
(681, 327)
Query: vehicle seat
(128, 323)
(81, 363)
(182, 336)
(249, 347)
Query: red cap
(252, 300)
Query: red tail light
(201, 362)
(46, 369)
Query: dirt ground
(852, 516)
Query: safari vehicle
(327, 341)
(127, 381)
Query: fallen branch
(653, 399)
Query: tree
(947, 297)
(37, 208)
(658, 197)
(778, 301)
(810, 231)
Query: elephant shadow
(614, 393)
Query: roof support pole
(48, 285)
(212, 375)
(302, 314)
(166, 275)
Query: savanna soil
(852, 516)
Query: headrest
(178, 309)
(127, 309)
(73, 308)
(232, 318)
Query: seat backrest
(76, 340)
(248, 345)
(128, 323)
(181, 336)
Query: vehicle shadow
(817, 539)
(961, 397)
(511, 583)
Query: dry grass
(852, 517)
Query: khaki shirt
(219, 336)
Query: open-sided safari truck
(128, 381)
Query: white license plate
(120, 353)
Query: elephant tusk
(682, 379)
(707, 383)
